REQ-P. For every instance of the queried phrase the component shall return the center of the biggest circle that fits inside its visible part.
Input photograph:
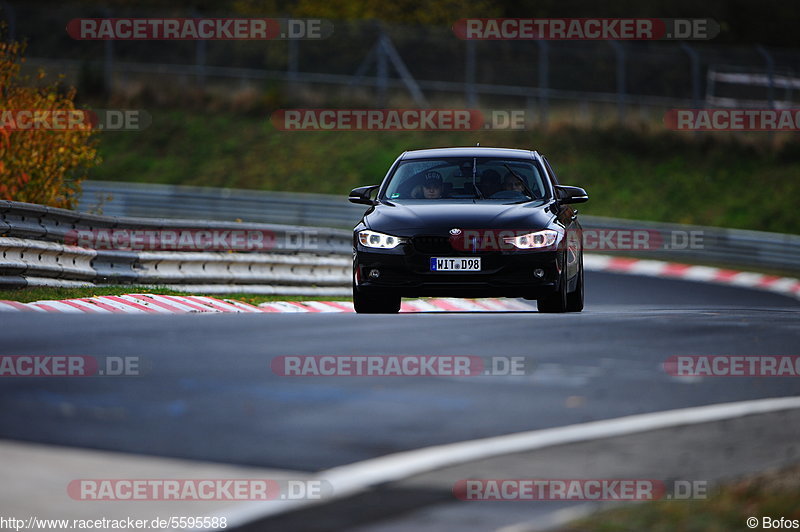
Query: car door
(568, 217)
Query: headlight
(539, 239)
(373, 239)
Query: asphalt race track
(208, 391)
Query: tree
(39, 165)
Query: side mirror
(567, 194)
(361, 195)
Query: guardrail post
(770, 74)
(694, 61)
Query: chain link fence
(424, 65)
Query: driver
(432, 185)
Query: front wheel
(575, 298)
(557, 301)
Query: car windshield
(480, 178)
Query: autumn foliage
(39, 165)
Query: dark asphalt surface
(209, 392)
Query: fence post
(619, 51)
(770, 74)
(382, 72)
(469, 70)
(108, 60)
(200, 58)
(544, 79)
(694, 61)
(401, 68)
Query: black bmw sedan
(468, 222)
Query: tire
(557, 301)
(575, 298)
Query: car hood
(407, 219)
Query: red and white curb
(671, 270)
(163, 304)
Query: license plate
(455, 264)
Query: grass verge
(772, 494)
(639, 172)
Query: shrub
(38, 165)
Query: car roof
(468, 151)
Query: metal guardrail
(731, 247)
(37, 242)
(35, 249)
(173, 201)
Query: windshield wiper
(528, 191)
(474, 173)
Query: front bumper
(406, 272)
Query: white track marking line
(355, 478)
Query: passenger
(512, 183)
(490, 183)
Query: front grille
(432, 244)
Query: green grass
(39, 293)
(774, 494)
(643, 172)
